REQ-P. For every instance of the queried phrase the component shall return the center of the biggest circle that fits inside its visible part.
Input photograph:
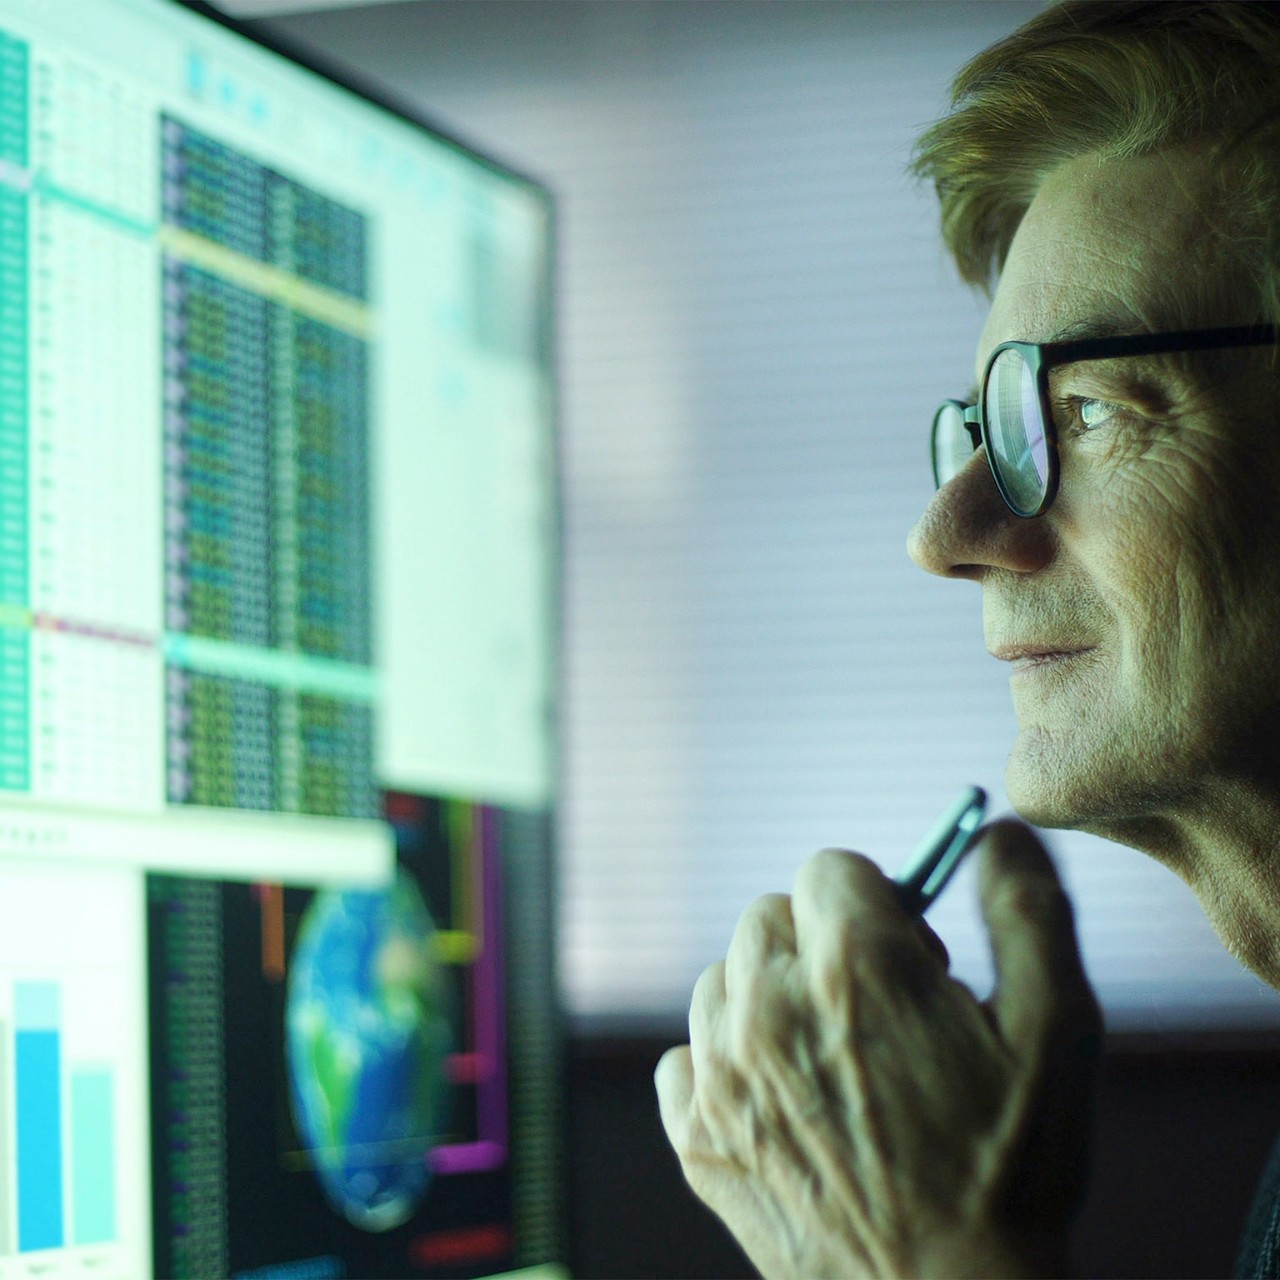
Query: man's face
(1141, 614)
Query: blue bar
(37, 1087)
(6, 1154)
(93, 1164)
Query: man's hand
(850, 1110)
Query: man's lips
(1025, 657)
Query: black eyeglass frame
(1041, 357)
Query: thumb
(1048, 1016)
(1041, 989)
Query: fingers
(706, 1011)
(850, 924)
(840, 897)
(1046, 1013)
(746, 1011)
(1040, 979)
(838, 886)
(692, 1076)
(766, 929)
(935, 944)
(673, 1080)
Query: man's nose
(967, 529)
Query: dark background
(1184, 1127)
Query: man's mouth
(1027, 658)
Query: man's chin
(1046, 791)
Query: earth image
(366, 1032)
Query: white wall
(756, 323)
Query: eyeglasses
(1014, 418)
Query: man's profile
(1110, 175)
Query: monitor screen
(277, 668)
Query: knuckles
(840, 872)
(748, 1012)
(858, 945)
(708, 998)
(764, 936)
(881, 966)
(766, 924)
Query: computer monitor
(277, 670)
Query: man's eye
(1083, 413)
(1095, 413)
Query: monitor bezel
(366, 87)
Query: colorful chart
(73, 1120)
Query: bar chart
(46, 1218)
(73, 1130)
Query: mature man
(1112, 173)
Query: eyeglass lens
(1015, 432)
(1015, 429)
(952, 447)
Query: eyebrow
(1085, 329)
(1091, 328)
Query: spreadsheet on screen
(278, 537)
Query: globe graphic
(366, 1034)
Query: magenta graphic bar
(468, 1157)
(492, 1089)
(485, 1065)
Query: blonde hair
(1117, 78)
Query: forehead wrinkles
(1134, 244)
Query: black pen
(941, 852)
